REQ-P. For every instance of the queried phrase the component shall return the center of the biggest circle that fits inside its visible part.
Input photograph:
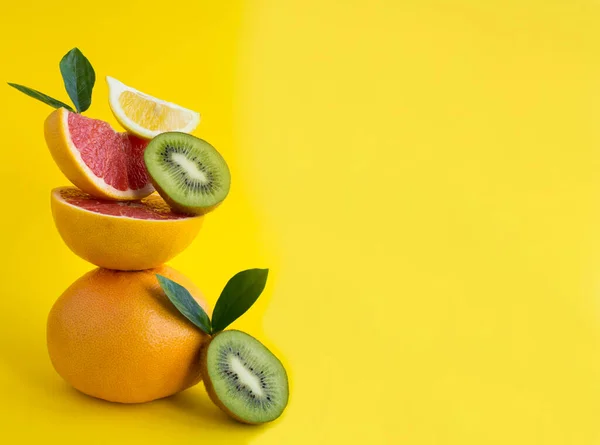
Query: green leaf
(79, 78)
(40, 96)
(238, 296)
(185, 303)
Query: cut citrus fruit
(132, 235)
(146, 116)
(97, 159)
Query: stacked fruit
(135, 330)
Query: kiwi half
(190, 175)
(244, 378)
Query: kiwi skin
(210, 388)
(179, 208)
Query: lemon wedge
(147, 116)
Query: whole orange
(116, 336)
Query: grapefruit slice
(97, 159)
(147, 116)
(126, 235)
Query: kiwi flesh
(244, 378)
(188, 172)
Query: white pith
(191, 168)
(56, 193)
(245, 376)
(100, 182)
(116, 88)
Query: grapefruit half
(125, 235)
(96, 158)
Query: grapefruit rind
(70, 162)
(121, 242)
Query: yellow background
(422, 178)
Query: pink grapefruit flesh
(152, 207)
(115, 157)
(96, 158)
